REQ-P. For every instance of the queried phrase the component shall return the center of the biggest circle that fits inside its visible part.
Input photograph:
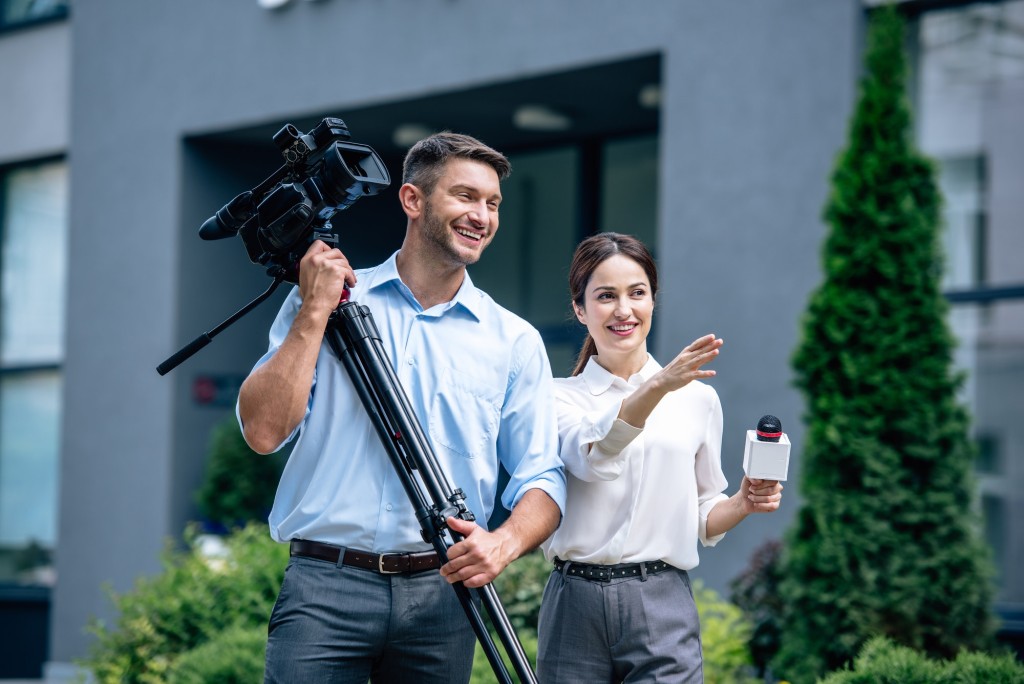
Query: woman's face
(617, 310)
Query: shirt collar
(468, 296)
(598, 380)
(383, 274)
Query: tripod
(352, 335)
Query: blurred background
(707, 129)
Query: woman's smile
(623, 329)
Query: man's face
(460, 216)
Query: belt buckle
(380, 565)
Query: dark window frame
(15, 369)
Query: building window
(993, 511)
(33, 267)
(961, 180)
(970, 102)
(15, 13)
(988, 461)
(629, 188)
(544, 215)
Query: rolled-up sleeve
(711, 482)
(592, 443)
(528, 435)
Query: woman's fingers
(700, 351)
(699, 343)
(687, 365)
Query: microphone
(229, 218)
(766, 453)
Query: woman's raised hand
(637, 407)
(688, 365)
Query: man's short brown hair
(425, 160)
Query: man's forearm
(533, 520)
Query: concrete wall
(756, 100)
(756, 96)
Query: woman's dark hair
(590, 254)
(425, 160)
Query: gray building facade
(709, 129)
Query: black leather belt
(606, 573)
(384, 563)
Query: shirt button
(388, 507)
(409, 360)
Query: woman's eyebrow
(612, 287)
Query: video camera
(279, 219)
(323, 174)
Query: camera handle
(195, 345)
(353, 336)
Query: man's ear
(412, 200)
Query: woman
(641, 446)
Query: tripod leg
(507, 634)
(391, 438)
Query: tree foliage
(239, 484)
(887, 540)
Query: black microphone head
(769, 429)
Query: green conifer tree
(887, 540)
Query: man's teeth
(471, 236)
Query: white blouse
(639, 494)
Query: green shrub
(883, 662)
(196, 600)
(724, 635)
(235, 656)
(204, 618)
(238, 484)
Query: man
(479, 381)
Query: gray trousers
(624, 630)
(344, 625)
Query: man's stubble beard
(441, 240)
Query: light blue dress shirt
(478, 379)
